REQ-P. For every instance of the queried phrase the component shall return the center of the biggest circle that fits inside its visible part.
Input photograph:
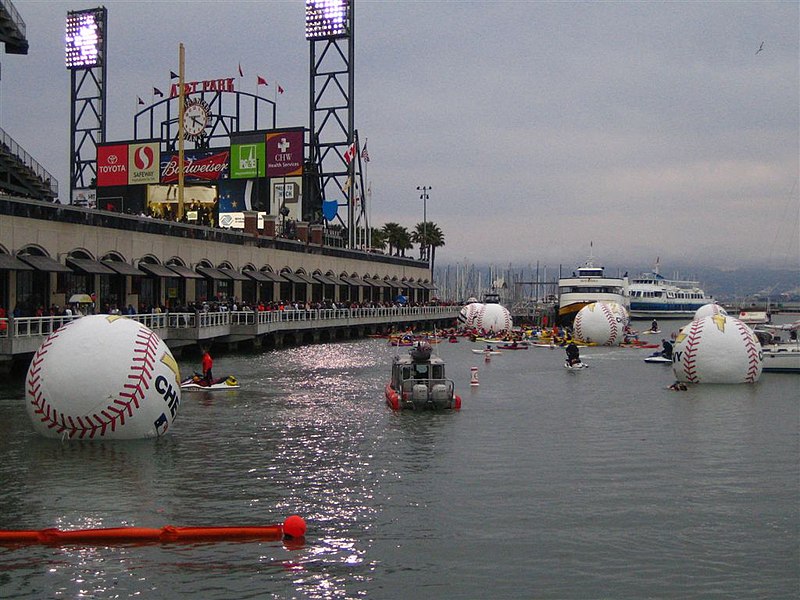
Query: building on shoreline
(49, 252)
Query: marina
(602, 483)
(380, 420)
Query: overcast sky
(651, 129)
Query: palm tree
(392, 231)
(420, 236)
(378, 238)
(435, 239)
(403, 241)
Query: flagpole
(181, 107)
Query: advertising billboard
(143, 161)
(284, 153)
(112, 165)
(247, 161)
(199, 165)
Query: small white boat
(196, 383)
(779, 354)
(658, 359)
(783, 358)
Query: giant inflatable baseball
(601, 323)
(717, 349)
(103, 377)
(487, 317)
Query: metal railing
(25, 327)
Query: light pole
(424, 197)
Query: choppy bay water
(547, 484)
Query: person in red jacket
(208, 362)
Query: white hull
(588, 285)
(781, 358)
(651, 296)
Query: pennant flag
(174, 75)
(346, 186)
(261, 81)
(364, 153)
(350, 153)
(280, 89)
(141, 101)
(241, 74)
(158, 92)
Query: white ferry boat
(653, 296)
(588, 284)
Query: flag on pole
(158, 92)
(364, 153)
(350, 153)
(346, 186)
(280, 89)
(174, 75)
(141, 101)
(241, 73)
(261, 81)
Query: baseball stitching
(753, 358)
(690, 351)
(98, 423)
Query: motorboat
(418, 382)
(196, 382)
(780, 355)
(588, 284)
(658, 358)
(653, 296)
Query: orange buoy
(165, 534)
(294, 526)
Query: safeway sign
(143, 162)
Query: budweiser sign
(201, 166)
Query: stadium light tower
(85, 52)
(334, 140)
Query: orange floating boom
(140, 534)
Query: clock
(196, 117)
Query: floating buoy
(294, 527)
(474, 375)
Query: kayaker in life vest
(208, 362)
(573, 354)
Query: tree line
(427, 235)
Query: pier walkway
(22, 336)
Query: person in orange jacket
(207, 363)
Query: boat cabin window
(420, 371)
(437, 372)
(406, 373)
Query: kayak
(476, 351)
(512, 347)
(223, 383)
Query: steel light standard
(424, 197)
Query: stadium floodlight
(84, 38)
(327, 19)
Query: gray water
(547, 484)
